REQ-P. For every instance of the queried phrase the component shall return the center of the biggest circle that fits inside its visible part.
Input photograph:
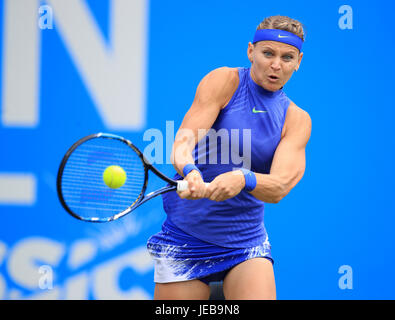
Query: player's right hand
(196, 187)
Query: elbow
(278, 198)
(272, 195)
(280, 194)
(275, 197)
(286, 186)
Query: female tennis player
(215, 232)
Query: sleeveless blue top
(245, 134)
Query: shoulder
(225, 73)
(297, 122)
(219, 84)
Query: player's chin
(273, 86)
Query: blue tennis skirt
(179, 256)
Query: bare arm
(289, 160)
(213, 93)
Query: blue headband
(278, 35)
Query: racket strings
(83, 188)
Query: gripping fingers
(218, 192)
(198, 190)
(194, 191)
(215, 195)
(186, 194)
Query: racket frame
(142, 198)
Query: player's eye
(267, 53)
(288, 57)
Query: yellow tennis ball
(114, 177)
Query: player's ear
(300, 60)
(250, 50)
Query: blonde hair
(283, 23)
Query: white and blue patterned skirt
(179, 256)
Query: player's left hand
(225, 186)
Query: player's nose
(276, 64)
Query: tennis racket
(81, 186)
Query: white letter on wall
(114, 74)
(21, 64)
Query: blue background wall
(340, 214)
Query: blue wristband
(188, 168)
(250, 179)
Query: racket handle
(183, 185)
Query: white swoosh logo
(280, 36)
(258, 111)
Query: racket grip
(183, 185)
